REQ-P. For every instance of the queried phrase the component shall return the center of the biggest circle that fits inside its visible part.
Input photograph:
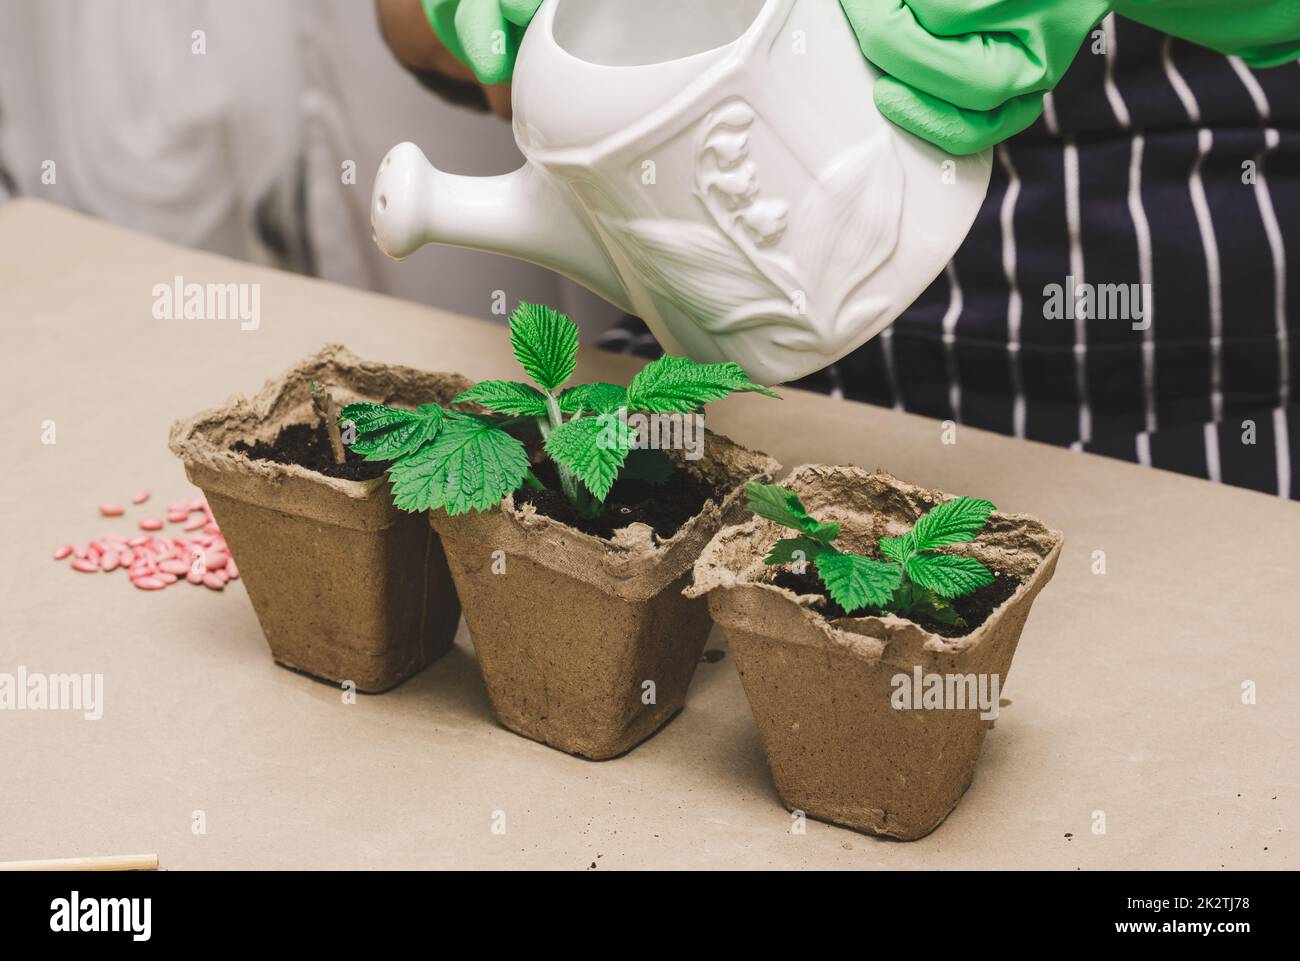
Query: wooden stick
(328, 411)
(115, 862)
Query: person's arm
(968, 74)
(1264, 33)
(406, 30)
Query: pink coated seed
(167, 578)
(139, 497)
(112, 510)
(110, 561)
(85, 566)
(150, 524)
(149, 583)
(194, 577)
(139, 540)
(63, 552)
(179, 568)
(231, 570)
(213, 581)
(81, 550)
(194, 523)
(177, 517)
(126, 556)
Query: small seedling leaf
(545, 342)
(793, 549)
(597, 398)
(593, 449)
(678, 385)
(897, 548)
(855, 582)
(388, 433)
(506, 397)
(782, 506)
(948, 575)
(952, 522)
(471, 465)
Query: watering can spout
(524, 215)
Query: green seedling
(460, 461)
(916, 579)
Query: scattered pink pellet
(199, 556)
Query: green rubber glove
(1264, 33)
(967, 74)
(482, 34)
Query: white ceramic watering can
(716, 167)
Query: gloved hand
(1264, 33)
(967, 74)
(482, 34)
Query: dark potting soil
(974, 608)
(308, 445)
(664, 507)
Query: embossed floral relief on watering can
(718, 169)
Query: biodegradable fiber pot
(568, 628)
(821, 691)
(345, 586)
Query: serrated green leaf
(794, 550)
(948, 575)
(912, 601)
(389, 433)
(545, 342)
(597, 398)
(471, 465)
(651, 466)
(952, 522)
(897, 548)
(678, 385)
(777, 504)
(593, 449)
(782, 506)
(506, 397)
(855, 582)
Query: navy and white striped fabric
(1157, 162)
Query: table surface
(1126, 702)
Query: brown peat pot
(848, 739)
(346, 587)
(585, 643)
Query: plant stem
(573, 490)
